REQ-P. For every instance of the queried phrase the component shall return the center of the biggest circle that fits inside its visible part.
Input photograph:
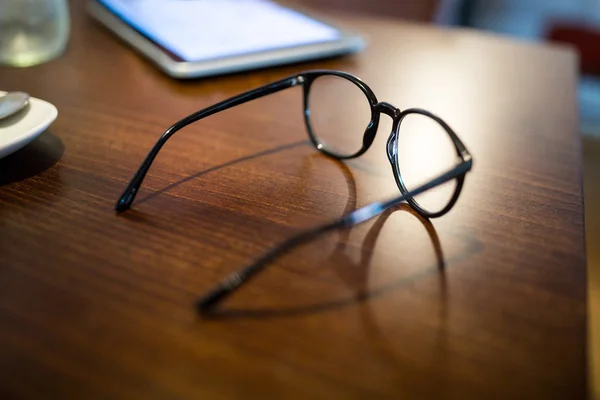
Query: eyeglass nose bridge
(394, 113)
(387, 109)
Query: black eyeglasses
(330, 94)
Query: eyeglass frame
(306, 79)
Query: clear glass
(32, 31)
(425, 151)
(339, 114)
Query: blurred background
(574, 23)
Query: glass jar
(32, 31)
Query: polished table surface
(488, 301)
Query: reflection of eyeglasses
(332, 97)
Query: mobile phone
(197, 38)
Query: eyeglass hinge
(297, 80)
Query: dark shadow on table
(33, 159)
(347, 268)
(220, 166)
(135, 216)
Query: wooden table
(95, 305)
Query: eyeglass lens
(424, 152)
(339, 114)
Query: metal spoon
(12, 103)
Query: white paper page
(198, 30)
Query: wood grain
(95, 305)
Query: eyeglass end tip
(125, 201)
(206, 304)
(204, 307)
(122, 205)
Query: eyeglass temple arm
(130, 192)
(233, 281)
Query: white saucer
(23, 127)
